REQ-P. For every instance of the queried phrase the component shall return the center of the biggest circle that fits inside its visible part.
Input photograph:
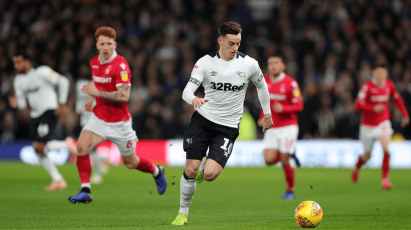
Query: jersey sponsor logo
(380, 98)
(102, 79)
(241, 74)
(278, 97)
(226, 86)
(32, 90)
(124, 75)
(94, 66)
(195, 81)
(213, 73)
(123, 66)
(53, 74)
(108, 69)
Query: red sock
(385, 165)
(84, 168)
(146, 166)
(360, 162)
(289, 177)
(277, 158)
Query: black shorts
(202, 134)
(42, 128)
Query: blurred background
(329, 48)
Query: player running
(285, 100)
(110, 119)
(99, 162)
(37, 86)
(372, 101)
(225, 75)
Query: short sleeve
(122, 74)
(48, 74)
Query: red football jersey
(107, 76)
(370, 95)
(284, 90)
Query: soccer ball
(308, 214)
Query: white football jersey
(225, 84)
(81, 101)
(38, 87)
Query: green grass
(241, 198)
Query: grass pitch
(241, 198)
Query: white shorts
(281, 139)
(370, 134)
(120, 133)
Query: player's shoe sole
(81, 197)
(181, 219)
(161, 181)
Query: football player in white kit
(37, 86)
(225, 75)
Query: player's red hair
(105, 31)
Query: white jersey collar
(114, 55)
(279, 78)
(376, 83)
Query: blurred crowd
(329, 47)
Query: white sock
(187, 190)
(85, 185)
(156, 172)
(55, 145)
(202, 165)
(96, 162)
(50, 167)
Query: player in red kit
(372, 101)
(111, 119)
(285, 102)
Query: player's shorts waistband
(110, 123)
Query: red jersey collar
(114, 55)
(279, 78)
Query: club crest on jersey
(53, 74)
(108, 69)
(213, 73)
(123, 66)
(241, 74)
(124, 75)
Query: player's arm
(361, 105)
(400, 105)
(263, 96)
(296, 101)
(121, 95)
(197, 77)
(18, 100)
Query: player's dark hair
(22, 53)
(229, 28)
(380, 65)
(279, 57)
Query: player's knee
(81, 150)
(39, 148)
(285, 159)
(366, 156)
(130, 165)
(190, 172)
(210, 176)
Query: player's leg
(287, 139)
(289, 176)
(367, 140)
(97, 161)
(58, 182)
(385, 140)
(87, 141)
(270, 143)
(196, 142)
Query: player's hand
(90, 89)
(13, 102)
(267, 122)
(89, 104)
(198, 102)
(405, 121)
(260, 122)
(278, 108)
(378, 108)
(62, 110)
